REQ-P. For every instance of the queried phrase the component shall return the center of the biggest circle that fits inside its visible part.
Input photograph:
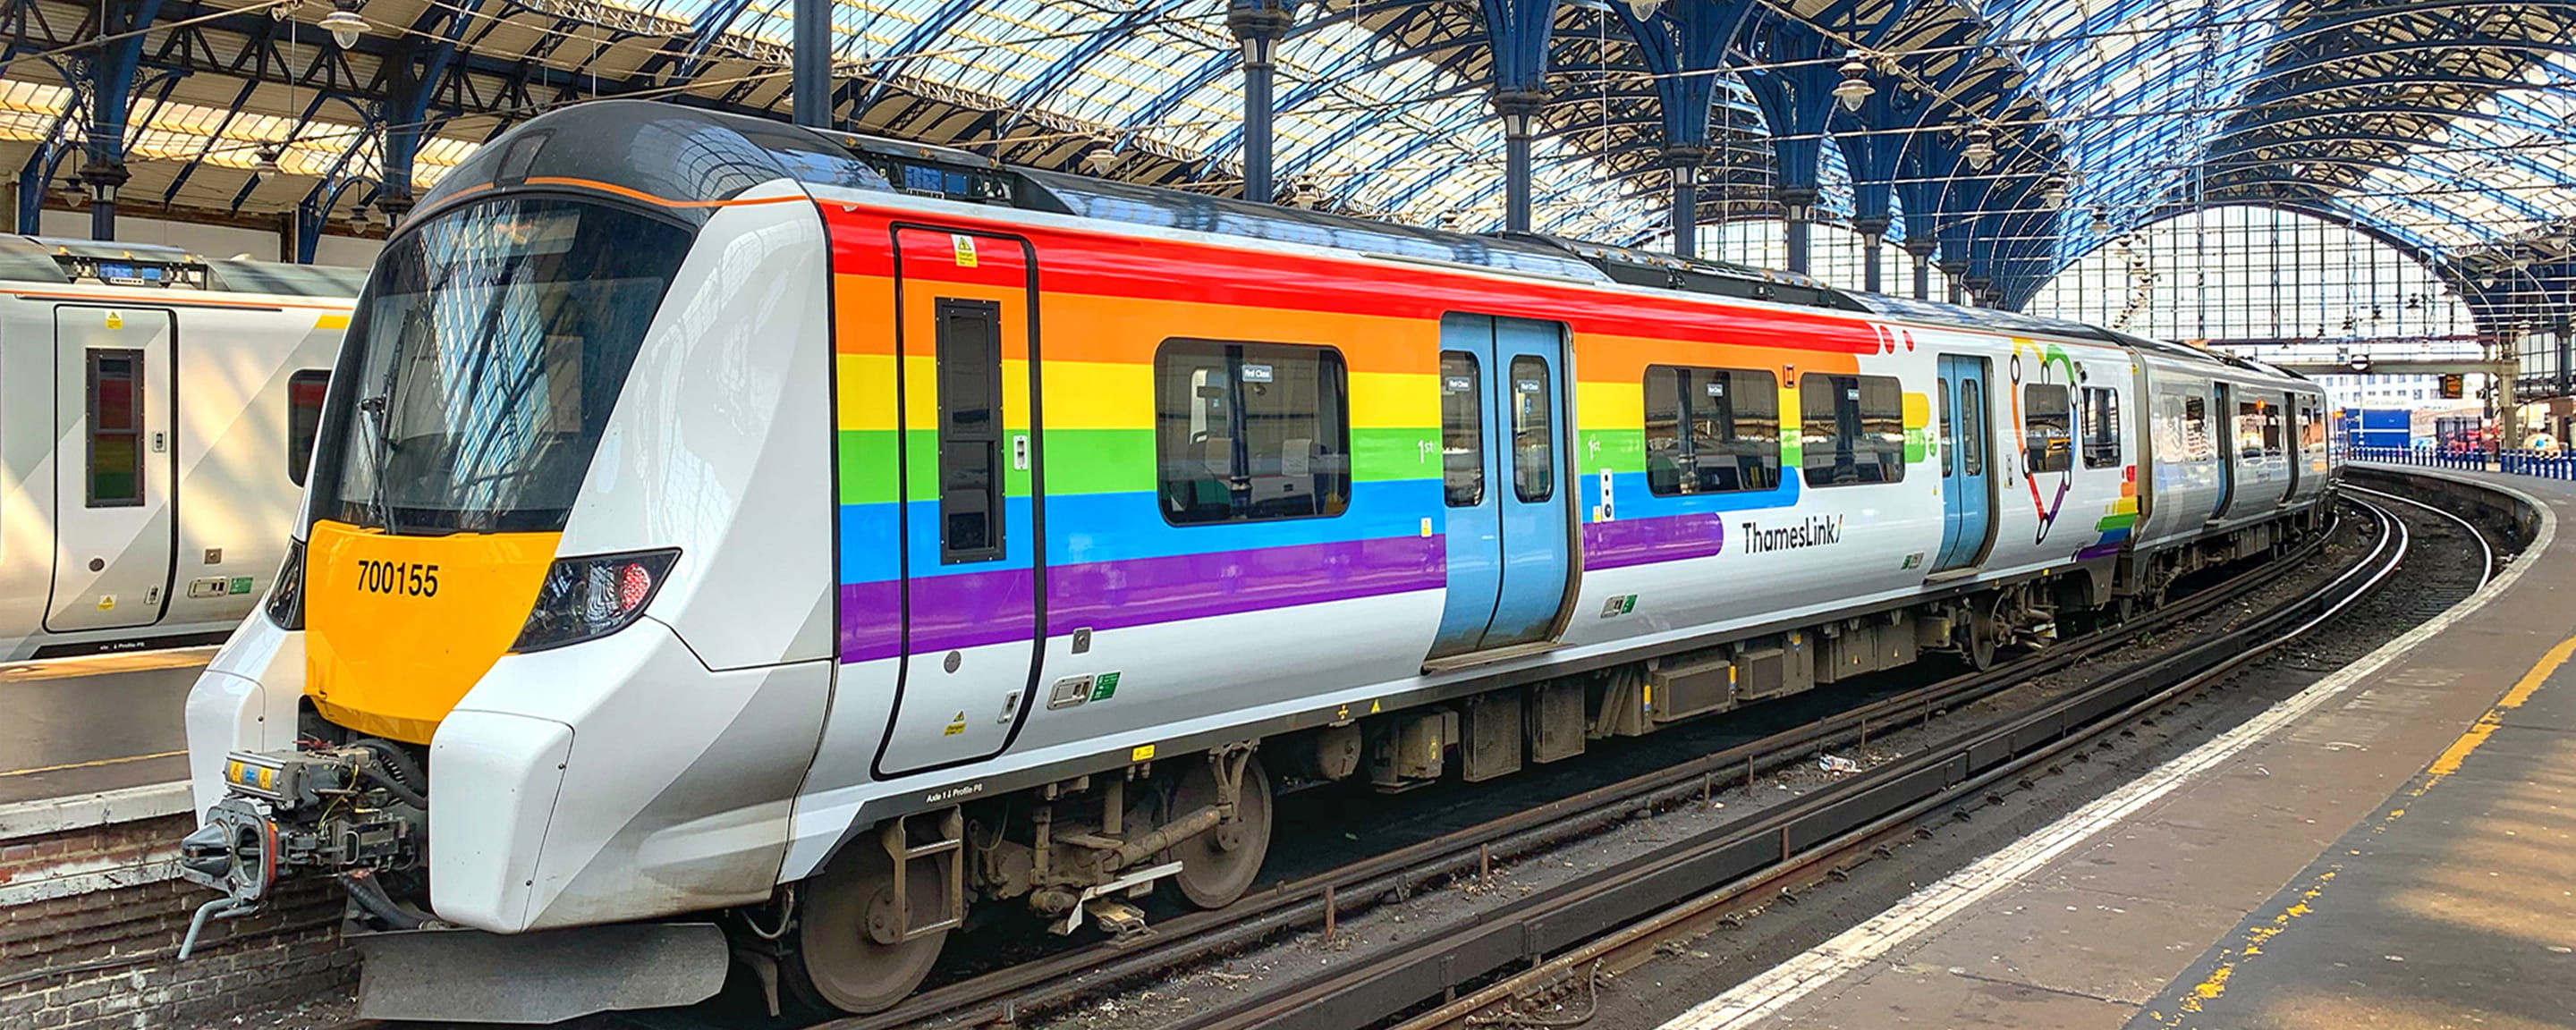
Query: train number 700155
(411, 579)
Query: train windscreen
(483, 361)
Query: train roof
(689, 154)
(40, 259)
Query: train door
(114, 496)
(1967, 488)
(1510, 519)
(2222, 425)
(973, 567)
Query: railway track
(1776, 843)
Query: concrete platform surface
(2394, 847)
(98, 723)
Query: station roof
(2441, 126)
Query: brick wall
(90, 922)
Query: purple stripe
(976, 608)
(2098, 551)
(1624, 542)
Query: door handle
(1020, 452)
(160, 442)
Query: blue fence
(2544, 464)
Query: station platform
(2394, 847)
(80, 726)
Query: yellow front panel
(398, 628)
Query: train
(156, 413)
(730, 542)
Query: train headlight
(588, 598)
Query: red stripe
(1151, 269)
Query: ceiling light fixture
(267, 162)
(344, 23)
(1645, 9)
(1855, 89)
(1101, 159)
(1980, 151)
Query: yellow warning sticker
(115, 320)
(965, 249)
(1142, 753)
(955, 726)
(106, 602)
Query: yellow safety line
(2215, 984)
(2487, 724)
(93, 764)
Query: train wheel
(1219, 865)
(1985, 634)
(850, 952)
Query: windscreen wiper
(380, 448)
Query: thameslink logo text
(1815, 532)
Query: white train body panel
(167, 531)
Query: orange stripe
(635, 194)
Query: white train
(755, 542)
(156, 414)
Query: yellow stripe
(1609, 405)
(2487, 724)
(331, 322)
(92, 764)
(1096, 395)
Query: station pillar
(1519, 110)
(1921, 247)
(1873, 234)
(1798, 212)
(1684, 162)
(810, 63)
(1258, 26)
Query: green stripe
(1094, 461)
(2111, 522)
(1619, 450)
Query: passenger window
(2047, 427)
(1711, 430)
(304, 393)
(970, 430)
(1462, 429)
(2195, 429)
(1949, 438)
(2101, 428)
(1851, 429)
(1533, 431)
(1251, 431)
(2258, 432)
(115, 428)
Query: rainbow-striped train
(773, 546)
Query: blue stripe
(1631, 499)
(1085, 528)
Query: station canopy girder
(2442, 127)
